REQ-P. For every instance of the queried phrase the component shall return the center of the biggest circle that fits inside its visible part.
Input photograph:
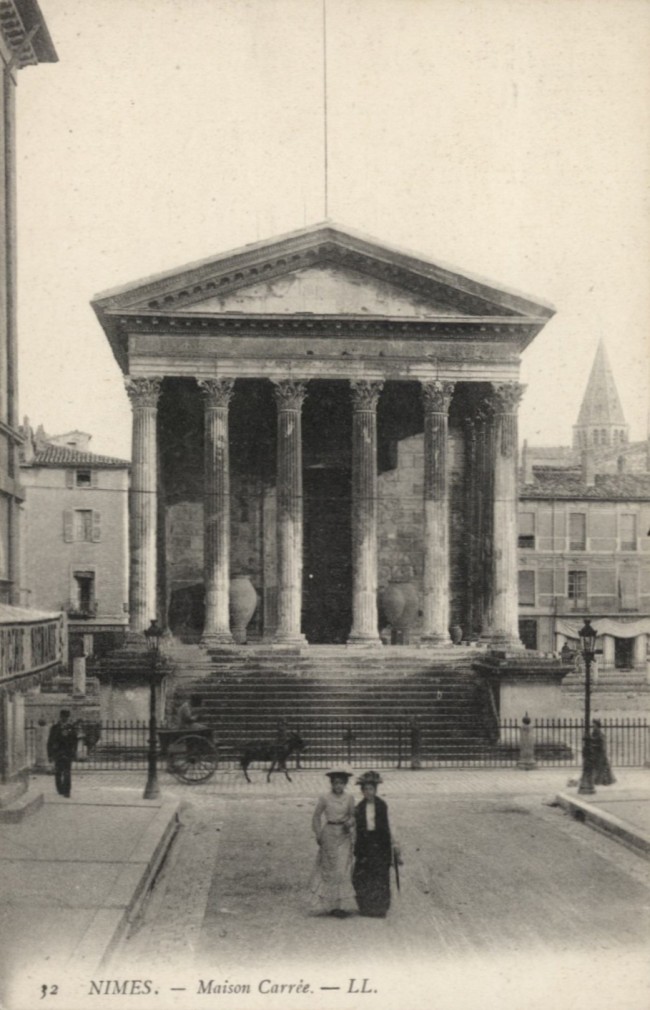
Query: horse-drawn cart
(192, 755)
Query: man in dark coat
(61, 749)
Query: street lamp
(153, 635)
(588, 639)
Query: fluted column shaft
(143, 394)
(505, 616)
(216, 510)
(365, 396)
(289, 396)
(435, 608)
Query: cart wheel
(192, 759)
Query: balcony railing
(81, 611)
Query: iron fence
(395, 743)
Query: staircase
(347, 705)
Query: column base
(289, 638)
(435, 638)
(374, 641)
(212, 638)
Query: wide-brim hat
(370, 778)
(343, 770)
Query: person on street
(186, 716)
(61, 750)
(333, 824)
(374, 850)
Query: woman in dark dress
(373, 850)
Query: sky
(507, 138)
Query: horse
(274, 751)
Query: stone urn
(400, 604)
(456, 633)
(243, 603)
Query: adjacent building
(584, 536)
(30, 642)
(75, 537)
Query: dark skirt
(371, 877)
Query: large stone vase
(243, 603)
(399, 602)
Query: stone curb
(130, 890)
(602, 820)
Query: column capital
(217, 392)
(289, 393)
(365, 394)
(437, 395)
(506, 396)
(142, 392)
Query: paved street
(498, 889)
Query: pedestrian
(61, 749)
(603, 775)
(374, 850)
(333, 824)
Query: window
(83, 478)
(527, 589)
(628, 531)
(577, 531)
(623, 653)
(628, 589)
(81, 524)
(527, 530)
(84, 600)
(577, 589)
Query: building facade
(584, 536)
(274, 393)
(75, 536)
(31, 643)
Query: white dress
(331, 880)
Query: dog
(275, 752)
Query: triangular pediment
(324, 290)
(323, 269)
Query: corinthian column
(289, 396)
(435, 610)
(504, 632)
(216, 510)
(365, 396)
(143, 394)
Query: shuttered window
(82, 525)
(526, 589)
(629, 590)
(527, 530)
(628, 531)
(577, 531)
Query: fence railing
(396, 743)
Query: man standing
(61, 749)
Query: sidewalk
(75, 872)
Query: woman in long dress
(333, 824)
(374, 850)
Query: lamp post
(588, 639)
(153, 635)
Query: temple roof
(319, 273)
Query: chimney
(526, 464)
(588, 469)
